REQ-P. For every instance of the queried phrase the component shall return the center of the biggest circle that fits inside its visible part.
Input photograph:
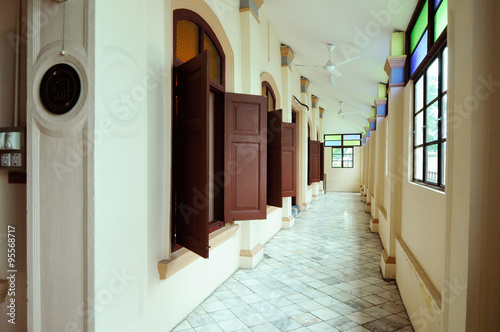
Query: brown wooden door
(322, 162)
(245, 157)
(289, 159)
(314, 161)
(274, 156)
(191, 153)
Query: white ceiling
(308, 26)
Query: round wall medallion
(60, 89)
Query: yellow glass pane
(215, 60)
(188, 37)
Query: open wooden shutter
(274, 158)
(245, 155)
(322, 162)
(314, 161)
(289, 159)
(309, 162)
(191, 173)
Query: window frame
(218, 89)
(342, 146)
(433, 46)
(440, 141)
(186, 14)
(342, 156)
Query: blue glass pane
(352, 137)
(420, 52)
(436, 3)
(333, 143)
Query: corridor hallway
(321, 275)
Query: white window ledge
(183, 257)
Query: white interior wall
(343, 179)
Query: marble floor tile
(321, 275)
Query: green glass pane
(420, 26)
(441, 20)
(333, 137)
(351, 143)
(337, 151)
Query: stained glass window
(430, 23)
(191, 38)
(441, 19)
(420, 26)
(420, 53)
(343, 149)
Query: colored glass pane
(441, 19)
(420, 26)
(333, 137)
(333, 143)
(187, 40)
(352, 137)
(436, 3)
(420, 53)
(215, 60)
(352, 143)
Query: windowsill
(271, 209)
(435, 189)
(183, 257)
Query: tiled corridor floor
(322, 275)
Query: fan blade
(332, 79)
(347, 61)
(335, 72)
(308, 66)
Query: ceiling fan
(341, 111)
(329, 66)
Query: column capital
(395, 68)
(315, 101)
(304, 85)
(251, 6)
(286, 56)
(381, 105)
(321, 112)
